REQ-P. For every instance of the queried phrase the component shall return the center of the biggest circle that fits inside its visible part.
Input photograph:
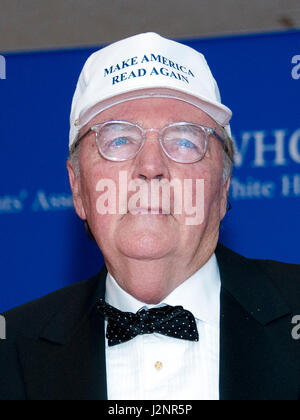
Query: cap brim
(218, 112)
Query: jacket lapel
(256, 356)
(67, 360)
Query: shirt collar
(199, 294)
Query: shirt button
(158, 365)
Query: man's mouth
(149, 211)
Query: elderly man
(173, 314)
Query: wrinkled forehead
(153, 113)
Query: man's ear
(75, 187)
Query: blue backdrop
(43, 245)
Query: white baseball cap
(145, 65)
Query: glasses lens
(119, 141)
(185, 142)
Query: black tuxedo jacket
(55, 346)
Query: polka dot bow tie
(172, 321)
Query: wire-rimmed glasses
(182, 142)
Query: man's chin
(144, 253)
(145, 245)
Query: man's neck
(150, 281)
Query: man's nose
(151, 162)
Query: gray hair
(228, 156)
(74, 159)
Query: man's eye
(184, 143)
(120, 141)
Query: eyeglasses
(182, 142)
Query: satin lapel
(67, 360)
(257, 361)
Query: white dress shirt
(156, 367)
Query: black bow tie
(171, 321)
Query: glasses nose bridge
(145, 132)
(151, 130)
(158, 131)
